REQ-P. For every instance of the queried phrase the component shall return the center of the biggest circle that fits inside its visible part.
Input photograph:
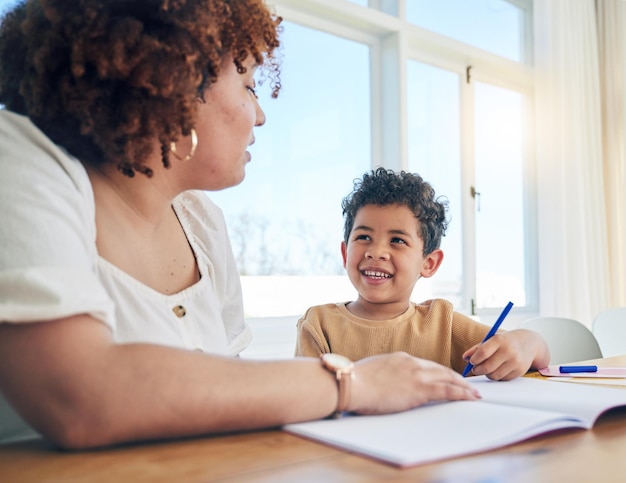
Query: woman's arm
(80, 389)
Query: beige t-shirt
(430, 330)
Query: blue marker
(573, 369)
(491, 333)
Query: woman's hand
(396, 382)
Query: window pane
(500, 250)
(492, 25)
(434, 153)
(390, 7)
(285, 218)
(6, 5)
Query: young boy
(392, 232)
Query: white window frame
(393, 41)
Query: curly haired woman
(120, 301)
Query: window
(406, 85)
(6, 4)
(493, 25)
(499, 196)
(285, 219)
(434, 109)
(494, 181)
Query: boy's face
(384, 259)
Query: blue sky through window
(492, 25)
(315, 142)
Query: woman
(119, 297)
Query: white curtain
(580, 192)
(612, 47)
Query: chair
(609, 328)
(567, 339)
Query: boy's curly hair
(384, 187)
(105, 78)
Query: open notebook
(509, 412)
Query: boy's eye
(362, 237)
(398, 240)
(252, 90)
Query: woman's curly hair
(105, 78)
(383, 187)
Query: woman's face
(225, 125)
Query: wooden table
(596, 455)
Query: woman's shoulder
(27, 153)
(203, 223)
(198, 202)
(199, 210)
(197, 199)
(18, 130)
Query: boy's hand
(395, 382)
(508, 355)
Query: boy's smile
(376, 274)
(384, 259)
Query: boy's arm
(309, 342)
(509, 354)
(466, 333)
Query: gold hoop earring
(194, 145)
